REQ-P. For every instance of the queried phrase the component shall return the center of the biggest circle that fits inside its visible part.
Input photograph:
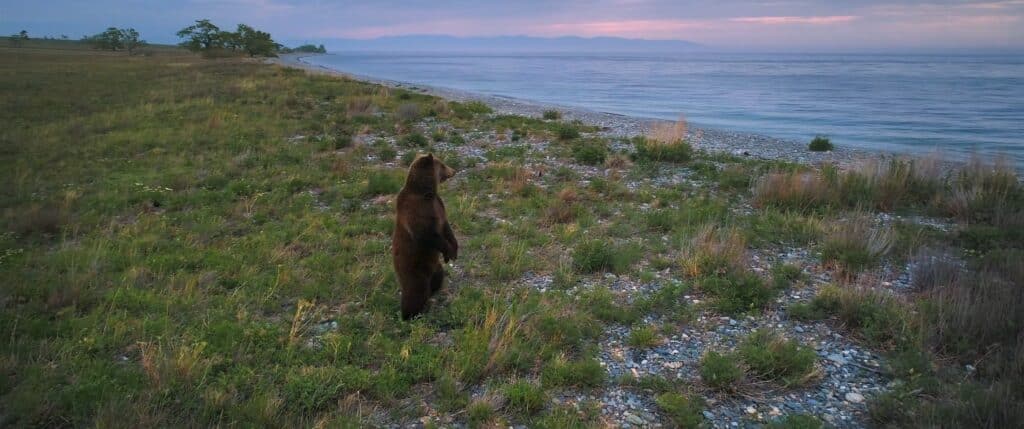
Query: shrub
(590, 151)
(684, 410)
(552, 115)
(567, 131)
(456, 140)
(820, 144)
(414, 140)
(720, 371)
(772, 357)
(643, 337)
(657, 151)
(524, 397)
(855, 245)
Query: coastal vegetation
(820, 144)
(196, 242)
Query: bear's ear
(430, 156)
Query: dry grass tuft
(856, 244)
(618, 161)
(715, 251)
(791, 190)
(360, 106)
(669, 132)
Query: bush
(567, 131)
(590, 152)
(772, 357)
(720, 371)
(820, 144)
(552, 115)
(414, 140)
(657, 151)
(684, 410)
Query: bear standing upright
(422, 234)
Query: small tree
(18, 38)
(130, 40)
(108, 40)
(255, 42)
(201, 36)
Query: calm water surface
(958, 104)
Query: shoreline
(736, 143)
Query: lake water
(958, 104)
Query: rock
(751, 410)
(708, 415)
(634, 419)
(854, 398)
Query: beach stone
(854, 398)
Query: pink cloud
(791, 20)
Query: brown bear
(422, 234)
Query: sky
(737, 25)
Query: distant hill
(429, 43)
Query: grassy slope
(197, 242)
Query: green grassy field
(190, 242)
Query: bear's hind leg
(414, 298)
(437, 279)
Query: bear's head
(428, 170)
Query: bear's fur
(422, 234)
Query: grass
(683, 410)
(720, 371)
(772, 357)
(855, 245)
(643, 337)
(212, 248)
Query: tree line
(115, 39)
(205, 37)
